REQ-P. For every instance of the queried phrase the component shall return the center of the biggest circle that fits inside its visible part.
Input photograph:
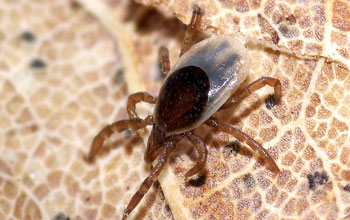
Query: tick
(203, 81)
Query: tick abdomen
(225, 62)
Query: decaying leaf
(67, 67)
(63, 78)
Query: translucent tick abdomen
(199, 83)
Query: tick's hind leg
(136, 98)
(244, 138)
(147, 183)
(191, 29)
(202, 153)
(107, 131)
(263, 81)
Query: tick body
(200, 83)
(203, 81)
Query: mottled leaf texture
(67, 67)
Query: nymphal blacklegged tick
(203, 81)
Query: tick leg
(164, 60)
(154, 154)
(191, 29)
(107, 131)
(147, 183)
(244, 138)
(202, 152)
(152, 151)
(263, 81)
(136, 98)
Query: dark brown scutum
(182, 99)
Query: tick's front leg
(136, 98)
(191, 29)
(107, 131)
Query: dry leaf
(68, 67)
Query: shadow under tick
(198, 180)
(232, 148)
(316, 179)
(270, 101)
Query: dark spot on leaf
(248, 180)
(287, 32)
(37, 64)
(119, 76)
(232, 148)
(316, 179)
(34, 128)
(270, 101)
(28, 36)
(274, 37)
(347, 187)
(291, 19)
(75, 5)
(197, 181)
(60, 216)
